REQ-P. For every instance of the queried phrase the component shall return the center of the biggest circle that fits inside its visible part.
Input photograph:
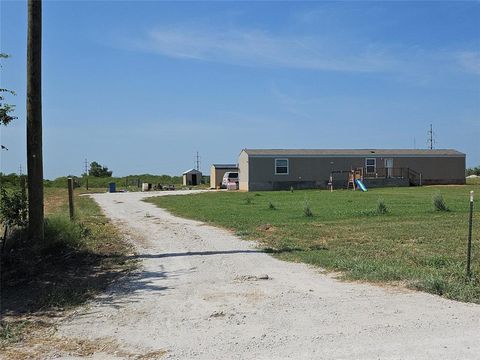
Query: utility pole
(430, 138)
(34, 122)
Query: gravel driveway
(202, 293)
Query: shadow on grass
(48, 281)
(75, 264)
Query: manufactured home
(277, 169)
(217, 171)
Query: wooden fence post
(70, 197)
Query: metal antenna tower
(431, 140)
(197, 162)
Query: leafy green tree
(473, 171)
(98, 170)
(6, 109)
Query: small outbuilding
(217, 171)
(192, 177)
(278, 169)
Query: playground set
(355, 179)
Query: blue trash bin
(111, 187)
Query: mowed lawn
(411, 245)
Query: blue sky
(141, 86)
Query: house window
(370, 165)
(281, 166)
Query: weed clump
(248, 200)
(271, 206)
(12, 331)
(306, 209)
(439, 203)
(382, 209)
(61, 232)
(434, 285)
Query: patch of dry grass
(42, 342)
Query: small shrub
(381, 207)
(271, 206)
(13, 208)
(306, 209)
(439, 203)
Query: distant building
(217, 171)
(192, 177)
(276, 169)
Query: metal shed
(217, 171)
(192, 177)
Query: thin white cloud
(470, 61)
(260, 48)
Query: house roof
(225, 166)
(192, 171)
(354, 152)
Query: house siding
(243, 171)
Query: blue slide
(360, 184)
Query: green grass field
(412, 244)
